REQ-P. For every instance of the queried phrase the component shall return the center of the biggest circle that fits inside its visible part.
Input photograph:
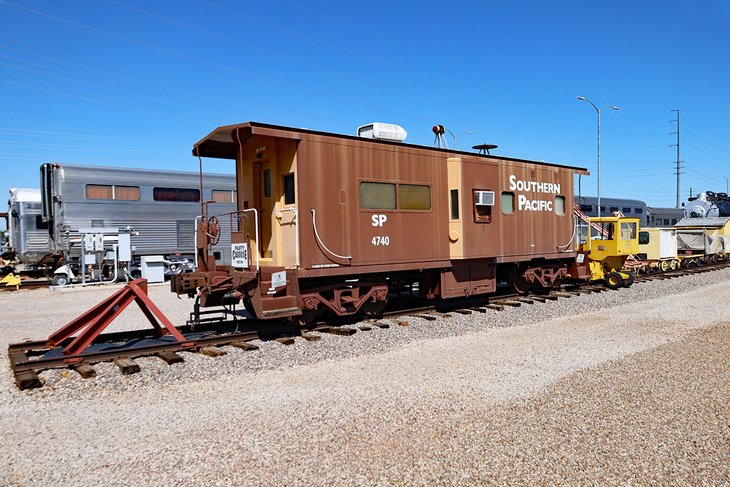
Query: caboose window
(289, 196)
(508, 203)
(415, 197)
(176, 194)
(643, 238)
(483, 202)
(560, 205)
(377, 196)
(454, 204)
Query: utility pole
(679, 162)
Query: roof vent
(382, 131)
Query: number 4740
(380, 240)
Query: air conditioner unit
(382, 131)
(485, 198)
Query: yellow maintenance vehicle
(603, 249)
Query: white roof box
(382, 131)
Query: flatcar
(334, 223)
(156, 208)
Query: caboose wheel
(614, 280)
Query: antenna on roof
(484, 148)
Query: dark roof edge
(377, 141)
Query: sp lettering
(379, 220)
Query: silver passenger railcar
(27, 234)
(158, 209)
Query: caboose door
(265, 206)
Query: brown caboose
(336, 223)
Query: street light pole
(455, 136)
(598, 165)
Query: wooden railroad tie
(381, 324)
(127, 366)
(562, 294)
(212, 351)
(171, 358)
(479, 309)
(463, 311)
(496, 307)
(285, 340)
(426, 317)
(86, 371)
(27, 379)
(403, 323)
(311, 338)
(335, 330)
(539, 299)
(243, 345)
(525, 300)
(514, 304)
(365, 328)
(550, 297)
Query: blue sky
(136, 83)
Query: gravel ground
(619, 387)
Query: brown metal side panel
(467, 278)
(330, 171)
(533, 229)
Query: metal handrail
(319, 240)
(256, 226)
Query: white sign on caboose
(525, 203)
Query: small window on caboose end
(560, 205)
(483, 202)
(289, 196)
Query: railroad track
(28, 359)
(27, 284)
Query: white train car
(157, 209)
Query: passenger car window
(99, 191)
(223, 195)
(175, 194)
